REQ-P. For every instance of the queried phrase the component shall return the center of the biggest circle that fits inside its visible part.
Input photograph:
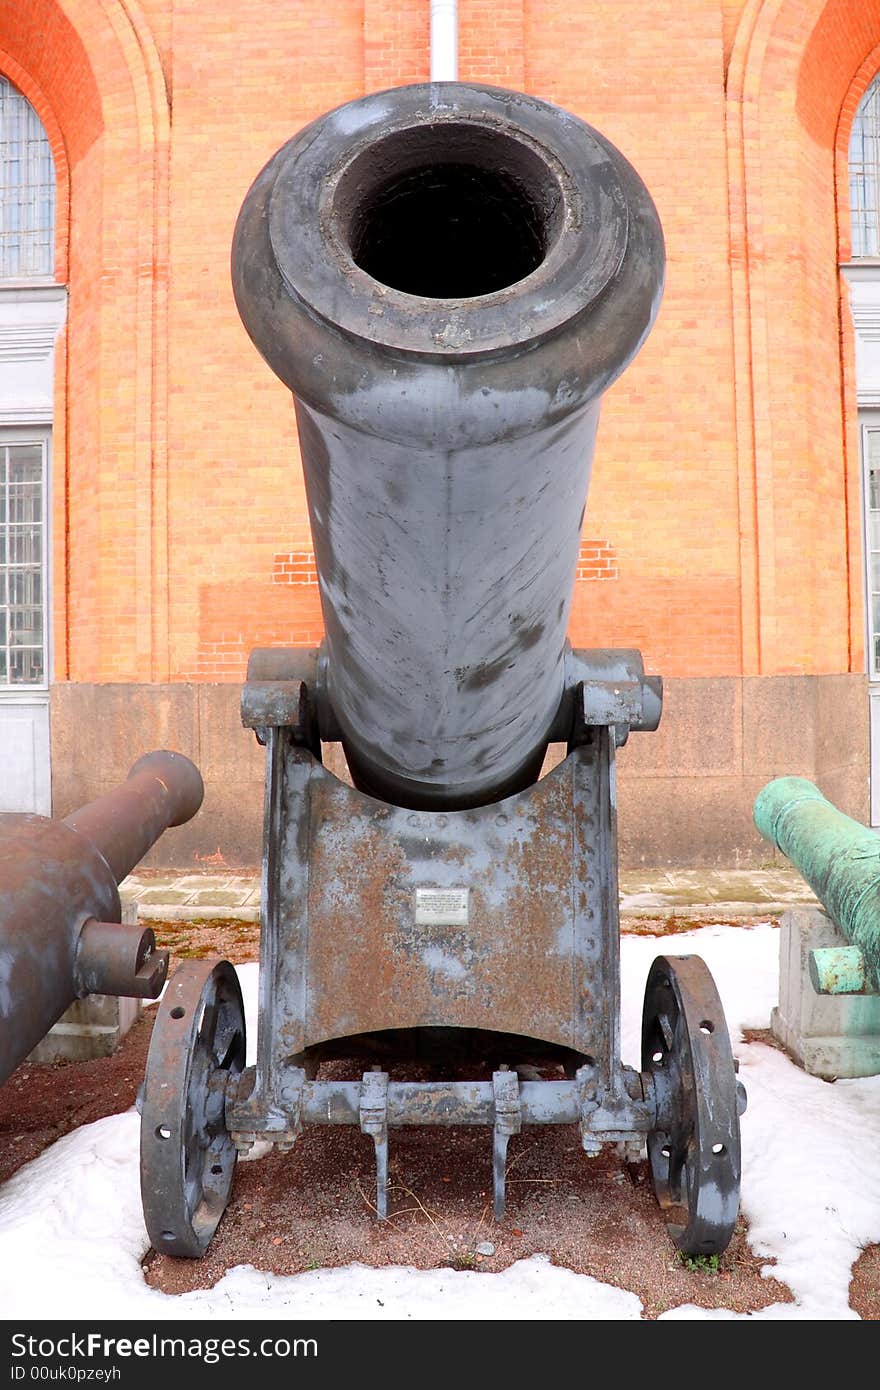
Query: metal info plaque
(442, 907)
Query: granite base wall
(685, 791)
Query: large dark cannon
(447, 277)
(60, 931)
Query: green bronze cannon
(840, 859)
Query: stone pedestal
(829, 1035)
(92, 1027)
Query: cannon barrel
(60, 932)
(447, 277)
(840, 859)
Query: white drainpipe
(444, 40)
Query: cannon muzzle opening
(449, 212)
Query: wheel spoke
(193, 1168)
(689, 1183)
(208, 1026)
(677, 1167)
(234, 1049)
(229, 1045)
(666, 1028)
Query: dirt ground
(313, 1206)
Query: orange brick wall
(722, 528)
(664, 480)
(790, 88)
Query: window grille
(871, 453)
(22, 564)
(27, 190)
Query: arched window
(27, 190)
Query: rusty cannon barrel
(447, 277)
(60, 932)
(840, 859)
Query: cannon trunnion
(448, 277)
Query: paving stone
(222, 897)
(643, 893)
(166, 912)
(163, 895)
(195, 883)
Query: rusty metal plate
(488, 918)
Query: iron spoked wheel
(694, 1152)
(187, 1155)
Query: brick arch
(792, 78)
(92, 71)
(860, 83)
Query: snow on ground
(72, 1234)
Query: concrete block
(227, 751)
(828, 1035)
(99, 731)
(705, 822)
(700, 733)
(779, 726)
(686, 791)
(91, 1027)
(842, 724)
(848, 789)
